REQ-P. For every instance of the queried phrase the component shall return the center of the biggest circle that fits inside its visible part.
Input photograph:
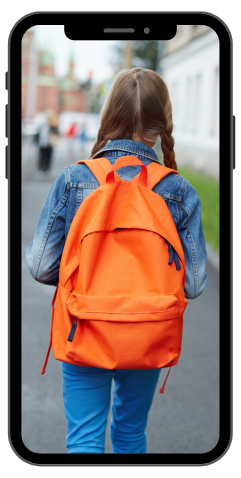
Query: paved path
(183, 420)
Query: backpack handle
(128, 161)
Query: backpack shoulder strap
(100, 167)
(155, 173)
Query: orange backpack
(120, 298)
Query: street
(183, 420)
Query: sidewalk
(212, 256)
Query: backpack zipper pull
(72, 330)
(177, 262)
(173, 255)
(170, 250)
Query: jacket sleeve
(190, 231)
(44, 253)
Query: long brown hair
(138, 104)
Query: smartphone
(60, 71)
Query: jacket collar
(129, 146)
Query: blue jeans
(86, 397)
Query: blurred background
(71, 79)
(64, 85)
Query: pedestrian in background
(82, 136)
(47, 140)
(71, 135)
(137, 112)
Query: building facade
(47, 87)
(41, 89)
(190, 68)
(70, 96)
(30, 58)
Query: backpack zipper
(72, 330)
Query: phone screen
(64, 87)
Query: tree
(145, 54)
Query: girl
(137, 111)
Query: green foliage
(208, 191)
(145, 54)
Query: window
(193, 99)
(214, 129)
(197, 104)
(190, 98)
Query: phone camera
(147, 30)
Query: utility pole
(128, 54)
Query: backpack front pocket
(125, 331)
(123, 308)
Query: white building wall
(192, 77)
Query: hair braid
(167, 144)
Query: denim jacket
(76, 182)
